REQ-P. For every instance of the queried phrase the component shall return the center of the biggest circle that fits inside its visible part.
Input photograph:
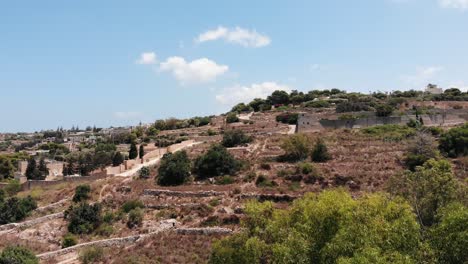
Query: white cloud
(128, 115)
(457, 4)
(197, 71)
(422, 77)
(238, 93)
(147, 58)
(238, 35)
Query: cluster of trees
(332, 227)
(173, 123)
(83, 218)
(18, 255)
(36, 171)
(454, 143)
(9, 164)
(176, 168)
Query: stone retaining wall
(204, 231)
(269, 197)
(32, 222)
(156, 192)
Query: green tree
(31, 169)
(296, 147)
(428, 188)
(141, 153)
(449, 237)
(174, 169)
(320, 152)
(17, 255)
(43, 171)
(6, 168)
(278, 97)
(69, 240)
(133, 153)
(216, 161)
(117, 159)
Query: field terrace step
(168, 206)
(112, 242)
(29, 223)
(158, 192)
(204, 231)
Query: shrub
(91, 254)
(390, 132)
(351, 107)
(234, 138)
(215, 162)
(317, 104)
(131, 205)
(144, 172)
(105, 230)
(174, 169)
(263, 181)
(82, 193)
(15, 209)
(83, 218)
(287, 118)
(231, 118)
(226, 179)
(17, 255)
(135, 218)
(265, 166)
(383, 110)
(69, 240)
(320, 152)
(454, 142)
(296, 147)
(306, 168)
(13, 187)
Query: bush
(296, 147)
(317, 104)
(263, 181)
(226, 179)
(13, 187)
(69, 240)
(234, 138)
(135, 218)
(144, 172)
(383, 110)
(83, 218)
(81, 193)
(320, 152)
(15, 209)
(231, 118)
(216, 161)
(105, 230)
(174, 169)
(131, 205)
(449, 236)
(17, 255)
(351, 107)
(91, 254)
(287, 118)
(265, 166)
(454, 142)
(390, 132)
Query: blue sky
(111, 62)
